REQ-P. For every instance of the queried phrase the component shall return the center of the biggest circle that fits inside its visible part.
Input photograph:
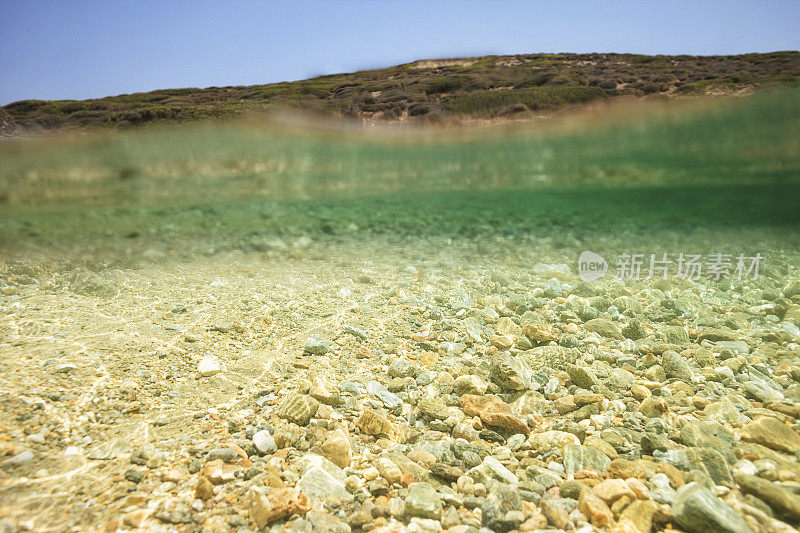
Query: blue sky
(54, 49)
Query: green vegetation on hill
(430, 90)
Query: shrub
(444, 84)
(536, 80)
(513, 109)
(652, 88)
(482, 102)
(417, 110)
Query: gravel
(450, 396)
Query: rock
(636, 518)
(389, 470)
(337, 449)
(596, 442)
(783, 501)
(634, 330)
(556, 515)
(577, 458)
(697, 510)
(553, 288)
(792, 289)
(510, 373)
(402, 367)
(298, 408)
(653, 407)
(134, 476)
(424, 525)
(411, 470)
(433, 408)
(676, 335)
(676, 366)
(322, 521)
(204, 490)
(373, 423)
(711, 462)
(621, 380)
(209, 366)
(316, 346)
(264, 442)
(604, 327)
(492, 469)
(217, 471)
(762, 392)
(549, 441)
(325, 392)
(390, 401)
(321, 479)
(771, 433)
(280, 503)
(226, 454)
(612, 490)
(494, 412)
(470, 384)
(422, 456)
(136, 518)
(541, 333)
(702, 435)
(450, 518)
(675, 458)
(717, 334)
(503, 342)
(446, 472)
(499, 506)
(595, 509)
(22, 458)
(423, 501)
(582, 377)
(549, 356)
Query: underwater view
(406, 325)
(400, 267)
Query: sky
(77, 49)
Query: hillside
(431, 90)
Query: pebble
(423, 501)
(264, 442)
(523, 403)
(696, 509)
(298, 408)
(771, 433)
(22, 458)
(578, 458)
(402, 368)
(316, 346)
(209, 366)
